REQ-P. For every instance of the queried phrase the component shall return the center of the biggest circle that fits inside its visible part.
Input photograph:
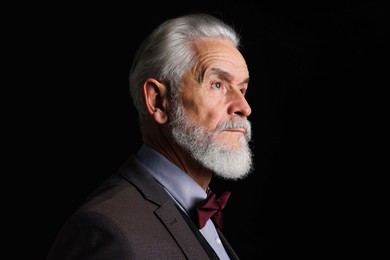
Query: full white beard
(226, 162)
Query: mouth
(236, 130)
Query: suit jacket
(130, 216)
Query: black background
(314, 71)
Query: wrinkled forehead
(219, 56)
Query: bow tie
(212, 208)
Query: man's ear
(156, 99)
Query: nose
(240, 106)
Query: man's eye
(217, 85)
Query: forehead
(216, 55)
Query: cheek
(205, 109)
(211, 115)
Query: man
(188, 82)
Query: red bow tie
(212, 208)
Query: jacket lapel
(177, 223)
(229, 249)
(189, 241)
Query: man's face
(211, 119)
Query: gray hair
(166, 54)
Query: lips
(236, 130)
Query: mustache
(237, 123)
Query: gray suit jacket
(130, 216)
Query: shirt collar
(184, 190)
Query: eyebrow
(227, 75)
